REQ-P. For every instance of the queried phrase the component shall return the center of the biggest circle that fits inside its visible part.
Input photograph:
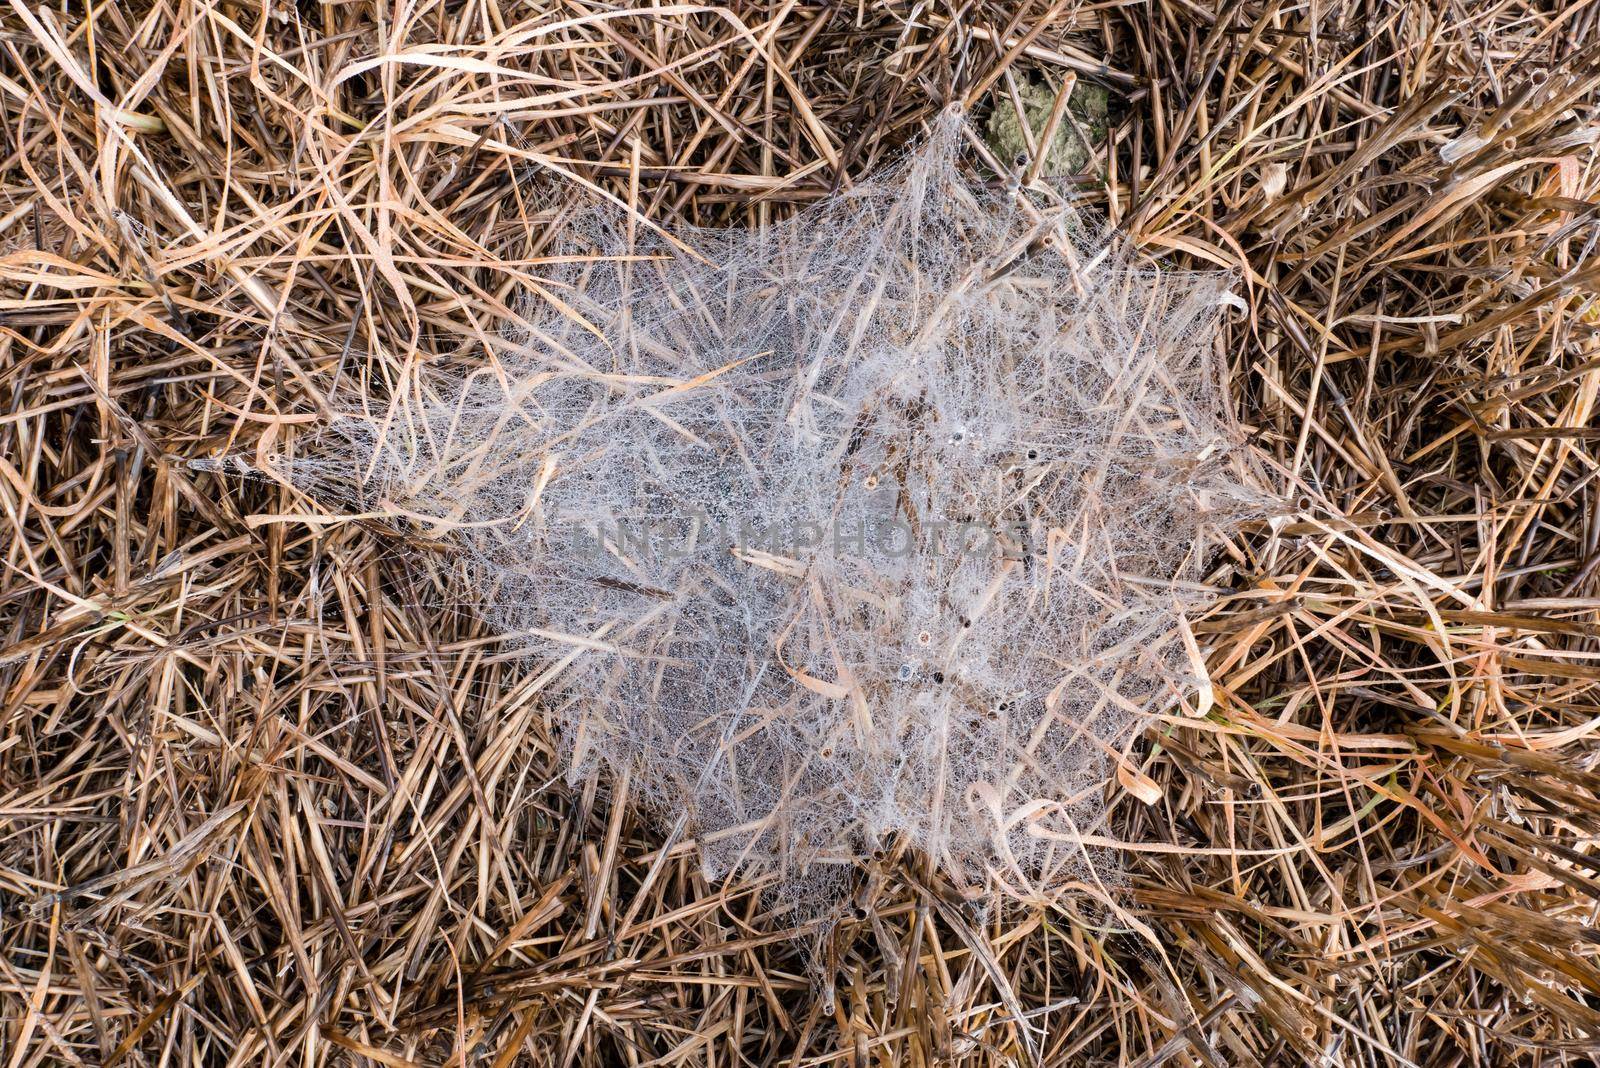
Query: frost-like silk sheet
(872, 526)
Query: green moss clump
(1068, 152)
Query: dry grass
(258, 806)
